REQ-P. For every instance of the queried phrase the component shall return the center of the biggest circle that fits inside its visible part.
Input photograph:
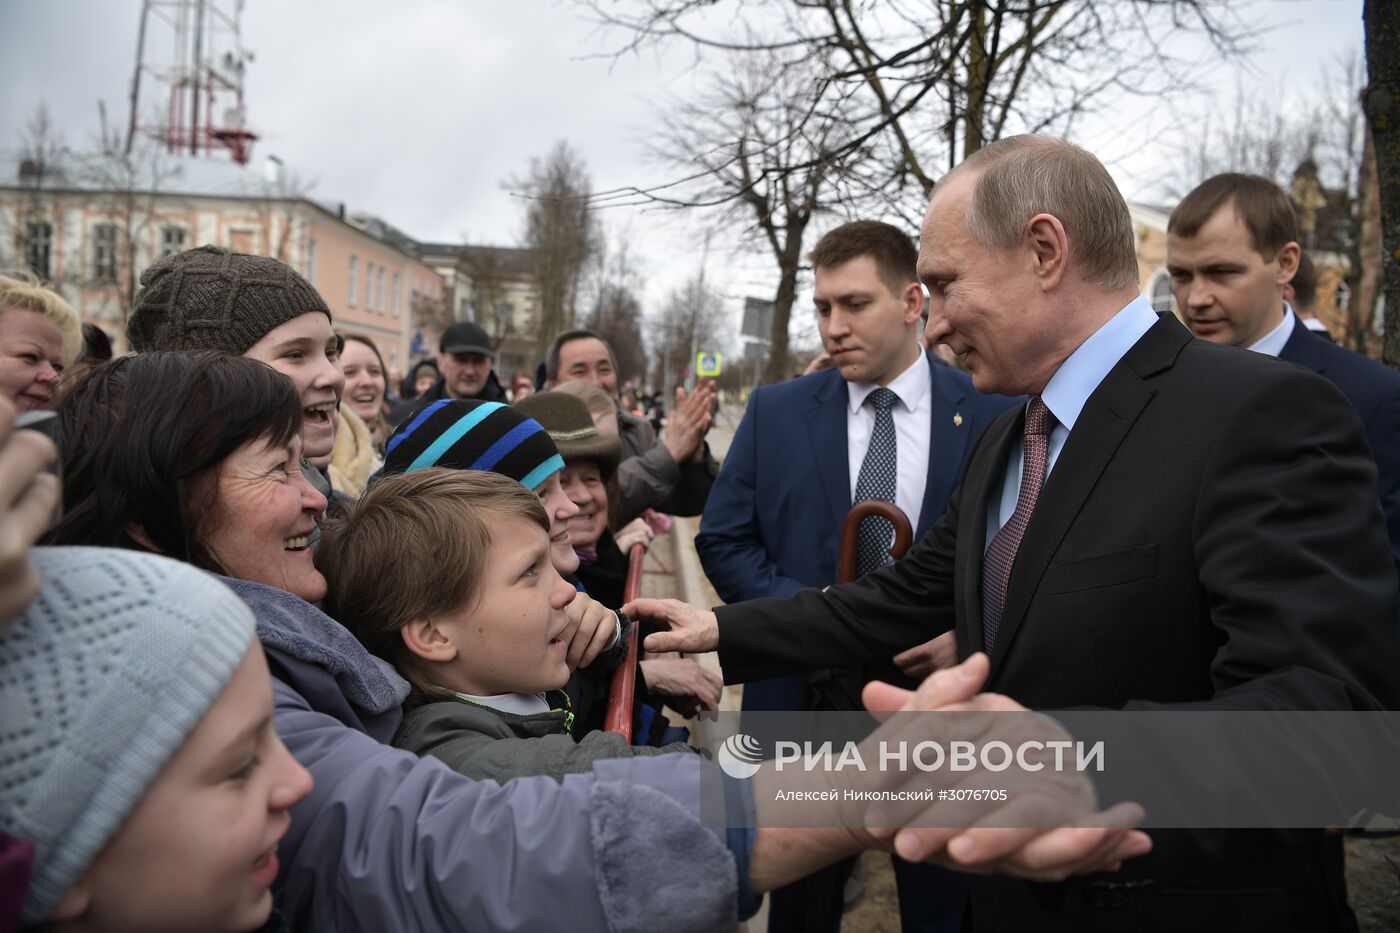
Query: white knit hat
(101, 679)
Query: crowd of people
(285, 645)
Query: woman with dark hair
(170, 441)
(359, 442)
(195, 456)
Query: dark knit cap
(473, 435)
(570, 426)
(209, 298)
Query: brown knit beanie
(209, 298)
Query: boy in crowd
(484, 649)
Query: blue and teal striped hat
(472, 435)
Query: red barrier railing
(624, 679)
(850, 534)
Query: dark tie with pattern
(996, 564)
(877, 480)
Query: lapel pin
(957, 419)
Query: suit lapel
(1108, 416)
(826, 430)
(1303, 348)
(948, 443)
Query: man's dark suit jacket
(772, 525)
(1374, 391)
(1208, 538)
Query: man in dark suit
(773, 522)
(1167, 524)
(1232, 251)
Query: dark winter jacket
(482, 742)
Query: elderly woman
(39, 336)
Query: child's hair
(415, 544)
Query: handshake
(1038, 820)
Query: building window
(311, 262)
(396, 294)
(38, 248)
(1162, 293)
(369, 285)
(104, 253)
(172, 240)
(381, 290)
(354, 278)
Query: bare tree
(483, 267)
(693, 317)
(743, 136)
(937, 79)
(1382, 104)
(561, 233)
(617, 312)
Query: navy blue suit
(772, 526)
(1374, 391)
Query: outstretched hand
(692, 630)
(1088, 842)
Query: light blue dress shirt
(1273, 342)
(1067, 392)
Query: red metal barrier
(624, 679)
(850, 534)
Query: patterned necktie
(877, 480)
(996, 564)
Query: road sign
(707, 365)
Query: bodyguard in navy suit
(772, 524)
(1231, 250)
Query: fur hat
(209, 298)
(102, 678)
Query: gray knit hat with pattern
(209, 298)
(101, 679)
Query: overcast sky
(418, 110)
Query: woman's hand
(637, 531)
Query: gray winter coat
(482, 742)
(649, 477)
(391, 841)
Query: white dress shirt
(1273, 342)
(913, 415)
(1066, 394)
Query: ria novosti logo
(740, 756)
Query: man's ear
(913, 297)
(75, 902)
(1288, 258)
(426, 640)
(1049, 249)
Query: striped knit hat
(474, 435)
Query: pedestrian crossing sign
(707, 365)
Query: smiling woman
(39, 336)
(195, 456)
